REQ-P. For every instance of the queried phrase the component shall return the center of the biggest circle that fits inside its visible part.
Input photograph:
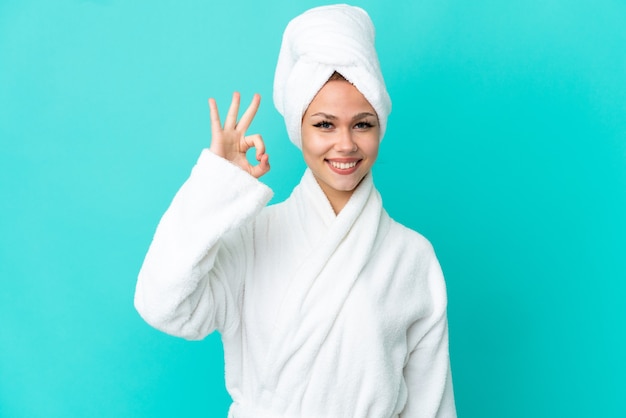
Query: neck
(337, 198)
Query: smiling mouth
(343, 166)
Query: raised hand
(230, 141)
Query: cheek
(312, 145)
(309, 150)
(370, 147)
(307, 155)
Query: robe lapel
(318, 290)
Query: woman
(325, 305)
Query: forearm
(182, 289)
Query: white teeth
(343, 166)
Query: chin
(347, 185)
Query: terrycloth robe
(320, 315)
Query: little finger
(216, 124)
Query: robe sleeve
(427, 373)
(191, 279)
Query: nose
(345, 142)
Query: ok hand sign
(230, 141)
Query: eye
(324, 125)
(364, 125)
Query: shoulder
(414, 254)
(409, 239)
(416, 275)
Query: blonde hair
(337, 76)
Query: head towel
(321, 41)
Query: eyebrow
(355, 117)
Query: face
(340, 139)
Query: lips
(344, 167)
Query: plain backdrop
(506, 148)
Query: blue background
(506, 147)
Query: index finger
(248, 115)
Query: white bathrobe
(320, 315)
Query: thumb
(262, 167)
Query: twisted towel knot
(316, 44)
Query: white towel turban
(321, 41)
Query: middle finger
(231, 117)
